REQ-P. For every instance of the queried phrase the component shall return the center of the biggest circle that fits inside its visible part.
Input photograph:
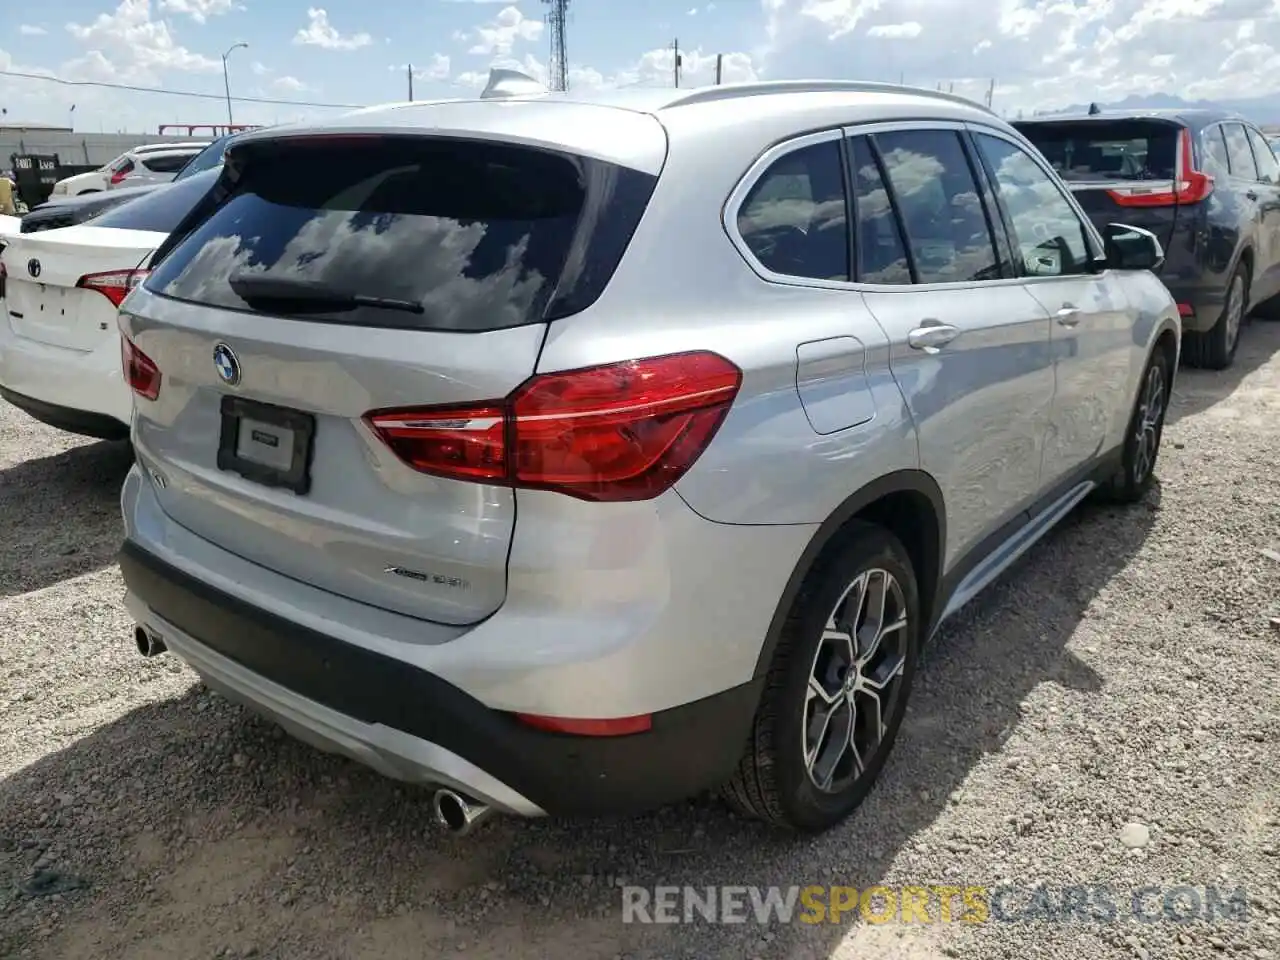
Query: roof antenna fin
(1094, 109)
(508, 82)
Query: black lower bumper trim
(691, 748)
(82, 422)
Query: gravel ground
(1126, 673)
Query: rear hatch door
(399, 272)
(45, 298)
(1121, 169)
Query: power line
(173, 93)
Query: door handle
(1068, 316)
(931, 335)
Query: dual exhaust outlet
(456, 812)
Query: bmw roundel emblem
(225, 362)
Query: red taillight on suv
(622, 431)
(140, 371)
(115, 285)
(1189, 185)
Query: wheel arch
(909, 504)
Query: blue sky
(343, 51)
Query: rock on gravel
(1125, 674)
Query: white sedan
(60, 289)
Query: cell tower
(559, 68)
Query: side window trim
(989, 195)
(1092, 238)
(878, 159)
(754, 173)
(850, 209)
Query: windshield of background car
(1107, 150)
(207, 159)
(161, 210)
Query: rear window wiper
(252, 287)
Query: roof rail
(730, 91)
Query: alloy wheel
(1150, 419)
(855, 680)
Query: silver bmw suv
(577, 453)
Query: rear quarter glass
(482, 236)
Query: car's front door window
(1047, 231)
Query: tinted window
(945, 222)
(1215, 151)
(1238, 152)
(206, 159)
(1268, 166)
(160, 211)
(882, 258)
(1047, 231)
(166, 163)
(470, 236)
(793, 219)
(1119, 149)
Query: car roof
(150, 147)
(626, 126)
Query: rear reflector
(115, 285)
(140, 372)
(614, 727)
(623, 431)
(1186, 310)
(1189, 184)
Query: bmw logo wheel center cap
(225, 362)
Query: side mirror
(1132, 248)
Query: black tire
(1215, 348)
(773, 782)
(1131, 482)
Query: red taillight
(1186, 310)
(140, 371)
(1189, 185)
(613, 727)
(117, 178)
(114, 284)
(623, 431)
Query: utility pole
(675, 60)
(991, 93)
(719, 67)
(409, 68)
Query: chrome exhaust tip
(456, 813)
(149, 644)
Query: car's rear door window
(166, 162)
(882, 254)
(1239, 153)
(409, 232)
(945, 221)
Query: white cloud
(319, 32)
(502, 33)
(128, 44)
(200, 10)
(896, 31)
(289, 84)
(29, 30)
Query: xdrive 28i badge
(225, 362)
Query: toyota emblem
(33, 267)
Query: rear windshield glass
(1129, 149)
(411, 233)
(161, 210)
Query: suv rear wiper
(251, 287)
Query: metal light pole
(226, 83)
